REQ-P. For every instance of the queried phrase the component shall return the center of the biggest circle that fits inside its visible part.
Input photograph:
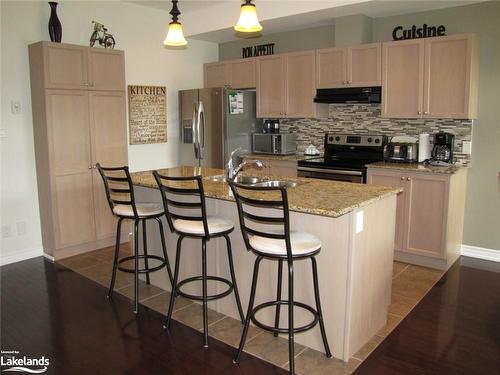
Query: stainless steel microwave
(278, 144)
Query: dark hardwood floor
(48, 310)
(455, 329)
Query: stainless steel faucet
(233, 171)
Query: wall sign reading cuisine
(147, 107)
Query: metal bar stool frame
(247, 231)
(138, 219)
(162, 182)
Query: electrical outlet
(21, 228)
(467, 147)
(15, 107)
(6, 231)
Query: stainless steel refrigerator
(212, 125)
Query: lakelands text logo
(11, 361)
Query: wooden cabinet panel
(270, 86)
(109, 147)
(242, 73)
(381, 179)
(402, 78)
(106, 69)
(69, 132)
(448, 76)
(427, 209)
(65, 66)
(74, 209)
(299, 84)
(364, 64)
(331, 67)
(216, 74)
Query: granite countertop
(417, 167)
(312, 196)
(293, 157)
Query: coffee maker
(442, 151)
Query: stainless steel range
(345, 157)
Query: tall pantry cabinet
(78, 100)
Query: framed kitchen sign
(147, 108)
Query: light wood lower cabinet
(73, 130)
(430, 211)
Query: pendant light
(175, 36)
(248, 22)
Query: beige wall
(482, 216)
(140, 32)
(317, 37)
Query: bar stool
(189, 219)
(121, 199)
(277, 245)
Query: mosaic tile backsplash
(366, 119)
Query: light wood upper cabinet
(364, 65)
(270, 86)
(429, 218)
(299, 84)
(331, 68)
(355, 66)
(216, 74)
(242, 73)
(403, 78)
(66, 66)
(450, 86)
(430, 78)
(106, 69)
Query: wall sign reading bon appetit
(260, 50)
(147, 107)
(414, 32)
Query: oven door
(332, 174)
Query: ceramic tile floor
(409, 286)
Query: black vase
(55, 28)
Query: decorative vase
(55, 28)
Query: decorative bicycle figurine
(102, 36)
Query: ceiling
(325, 13)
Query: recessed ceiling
(374, 9)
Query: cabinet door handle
(408, 178)
(426, 113)
(419, 112)
(90, 167)
(402, 178)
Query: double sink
(257, 181)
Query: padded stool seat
(302, 243)
(215, 225)
(143, 209)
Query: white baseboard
(20, 255)
(481, 253)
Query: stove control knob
(337, 138)
(377, 140)
(330, 139)
(370, 139)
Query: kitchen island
(355, 223)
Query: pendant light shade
(175, 36)
(248, 22)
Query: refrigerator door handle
(201, 129)
(194, 130)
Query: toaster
(401, 152)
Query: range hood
(349, 95)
